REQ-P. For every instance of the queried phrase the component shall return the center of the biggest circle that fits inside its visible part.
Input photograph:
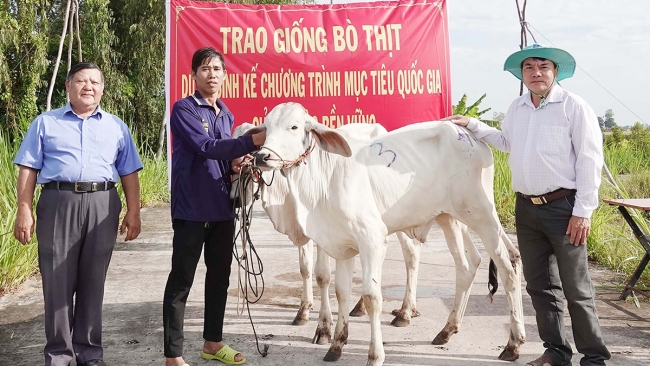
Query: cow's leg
(343, 285)
(372, 258)
(306, 259)
(411, 250)
(467, 259)
(323, 275)
(360, 308)
(506, 258)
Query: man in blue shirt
(77, 154)
(203, 158)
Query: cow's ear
(254, 130)
(328, 139)
(242, 129)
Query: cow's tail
(493, 283)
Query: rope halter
(291, 163)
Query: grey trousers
(76, 236)
(553, 266)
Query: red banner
(383, 62)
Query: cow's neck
(309, 183)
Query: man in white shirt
(556, 157)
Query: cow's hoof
(441, 338)
(322, 337)
(375, 360)
(300, 320)
(359, 309)
(400, 322)
(414, 313)
(332, 356)
(510, 353)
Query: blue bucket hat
(566, 64)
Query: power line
(591, 77)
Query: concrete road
(139, 269)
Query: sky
(610, 40)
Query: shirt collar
(557, 94)
(99, 112)
(199, 100)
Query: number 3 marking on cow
(382, 151)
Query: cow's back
(422, 170)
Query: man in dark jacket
(203, 158)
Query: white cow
(401, 181)
(280, 208)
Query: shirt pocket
(555, 140)
(106, 148)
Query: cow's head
(289, 133)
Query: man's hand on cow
(578, 230)
(458, 119)
(259, 138)
(236, 164)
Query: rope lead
(250, 278)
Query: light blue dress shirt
(68, 148)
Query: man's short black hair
(83, 66)
(204, 55)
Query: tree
(607, 121)
(639, 135)
(615, 138)
(473, 110)
(23, 43)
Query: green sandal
(225, 355)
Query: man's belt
(548, 197)
(80, 187)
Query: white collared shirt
(558, 146)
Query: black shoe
(92, 363)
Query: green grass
(504, 196)
(17, 262)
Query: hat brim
(565, 62)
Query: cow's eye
(294, 127)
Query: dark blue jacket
(202, 150)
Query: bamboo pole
(161, 136)
(58, 57)
(70, 43)
(76, 19)
(521, 12)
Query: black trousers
(189, 237)
(76, 235)
(554, 267)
